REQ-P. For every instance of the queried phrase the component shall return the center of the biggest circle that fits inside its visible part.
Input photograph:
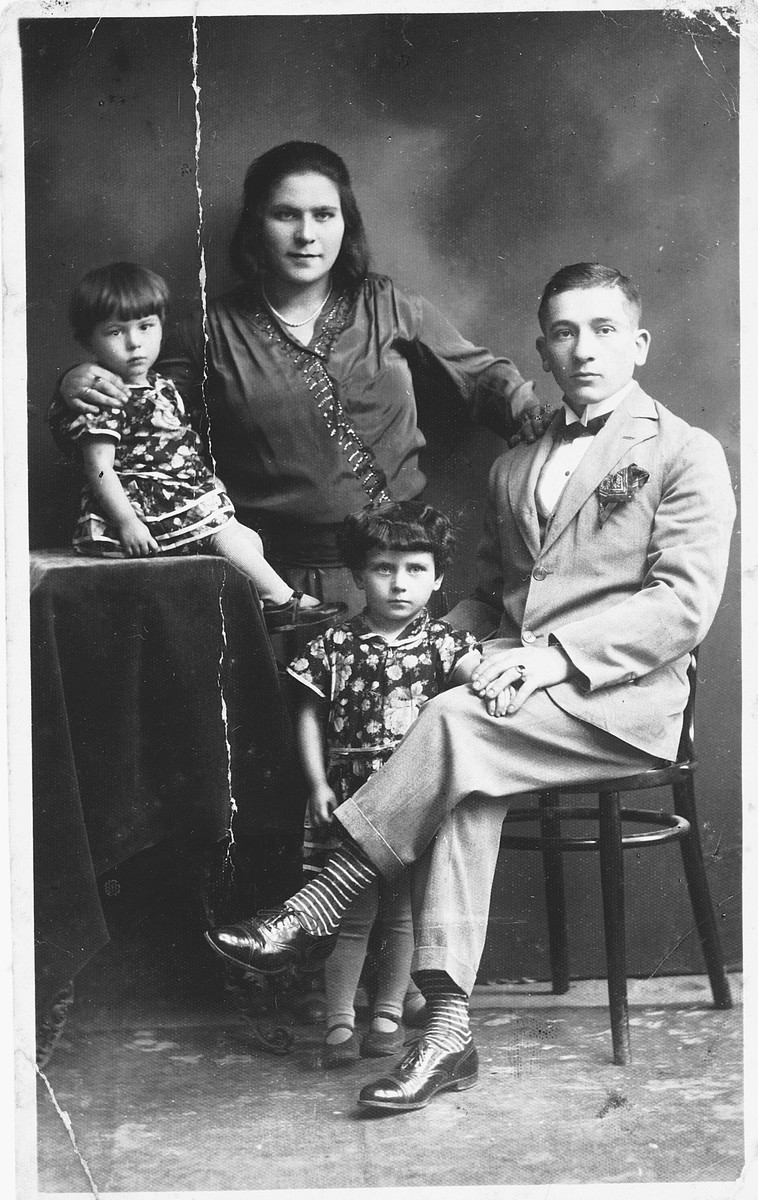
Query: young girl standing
(364, 682)
(148, 490)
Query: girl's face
(128, 348)
(303, 229)
(398, 584)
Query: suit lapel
(634, 421)
(522, 481)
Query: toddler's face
(591, 343)
(128, 348)
(398, 584)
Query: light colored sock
(338, 1035)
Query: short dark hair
(588, 275)
(398, 525)
(263, 175)
(123, 291)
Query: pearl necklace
(295, 324)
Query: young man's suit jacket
(627, 598)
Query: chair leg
(555, 896)
(612, 881)
(700, 895)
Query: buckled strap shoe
(292, 614)
(272, 943)
(424, 1071)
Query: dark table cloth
(157, 712)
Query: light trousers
(439, 803)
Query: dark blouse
(287, 424)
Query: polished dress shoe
(272, 943)
(425, 1071)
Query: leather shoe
(425, 1071)
(272, 943)
(292, 614)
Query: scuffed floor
(165, 1092)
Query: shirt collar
(599, 409)
(412, 629)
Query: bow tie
(576, 430)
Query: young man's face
(591, 343)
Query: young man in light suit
(601, 569)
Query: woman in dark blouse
(302, 377)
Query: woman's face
(303, 228)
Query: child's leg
(343, 968)
(242, 547)
(395, 952)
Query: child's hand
(321, 804)
(90, 388)
(136, 539)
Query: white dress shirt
(565, 457)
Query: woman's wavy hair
(398, 525)
(297, 158)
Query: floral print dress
(375, 690)
(159, 464)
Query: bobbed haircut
(121, 291)
(397, 525)
(246, 252)
(588, 275)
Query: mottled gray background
(486, 151)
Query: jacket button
(528, 636)
(539, 573)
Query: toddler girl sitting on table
(148, 489)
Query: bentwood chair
(610, 841)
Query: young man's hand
(136, 539)
(321, 804)
(507, 678)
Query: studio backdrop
(486, 151)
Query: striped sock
(448, 1022)
(321, 904)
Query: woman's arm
(490, 387)
(98, 455)
(88, 388)
(310, 723)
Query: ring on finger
(521, 670)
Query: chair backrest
(686, 752)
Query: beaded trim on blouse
(309, 361)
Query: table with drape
(157, 712)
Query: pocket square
(620, 486)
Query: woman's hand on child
(506, 678)
(89, 388)
(136, 539)
(321, 804)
